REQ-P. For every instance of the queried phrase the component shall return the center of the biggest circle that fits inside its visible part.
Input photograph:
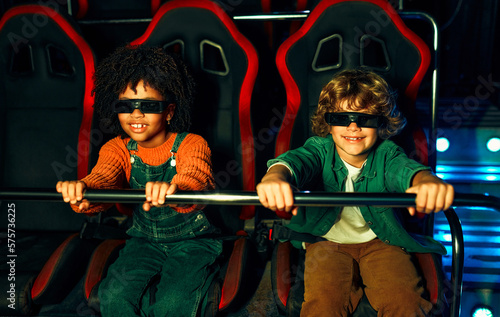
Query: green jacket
(387, 170)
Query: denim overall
(161, 247)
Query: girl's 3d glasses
(362, 120)
(144, 106)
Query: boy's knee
(402, 303)
(326, 303)
(405, 309)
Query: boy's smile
(148, 129)
(352, 139)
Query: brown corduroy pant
(335, 274)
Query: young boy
(363, 246)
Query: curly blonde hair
(364, 91)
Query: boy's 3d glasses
(145, 106)
(362, 120)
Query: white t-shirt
(350, 226)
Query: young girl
(144, 95)
(362, 246)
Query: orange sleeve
(110, 172)
(194, 168)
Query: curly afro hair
(129, 65)
(364, 91)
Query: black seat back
(46, 103)
(340, 35)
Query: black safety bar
(301, 199)
(247, 198)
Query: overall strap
(177, 142)
(132, 145)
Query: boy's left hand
(156, 192)
(433, 194)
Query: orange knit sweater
(113, 168)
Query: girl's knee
(175, 305)
(114, 295)
(109, 296)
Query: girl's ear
(170, 111)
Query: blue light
(493, 144)
(470, 173)
(442, 236)
(492, 169)
(482, 312)
(442, 144)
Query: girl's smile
(138, 127)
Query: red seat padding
(234, 273)
(62, 271)
(104, 255)
(281, 273)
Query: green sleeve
(307, 161)
(400, 170)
